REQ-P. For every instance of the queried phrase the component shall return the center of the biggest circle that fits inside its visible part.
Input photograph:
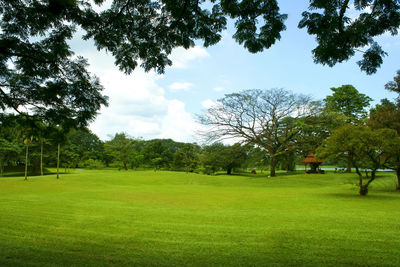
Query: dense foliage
(40, 77)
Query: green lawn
(107, 217)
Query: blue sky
(150, 106)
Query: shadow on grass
(22, 174)
(371, 195)
(264, 175)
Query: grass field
(103, 218)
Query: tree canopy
(40, 76)
(267, 118)
(346, 100)
(366, 148)
(340, 36)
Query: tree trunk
(26, 162)
(125, 166)
(1, 168)
(398, 178)
(363, 190)
(273, 166)
(41, 158)
(364, 187)
(348, 169)
(58, 161)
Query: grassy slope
(166, 218)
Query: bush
(93, 164)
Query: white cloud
(178, 124)
(181, 57)
(138, 106)
(219, 89)
(208, 103)
(180, 86)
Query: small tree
(363, 146)
(387, 115)
(8, 150)
(187, 157)
(120, 147)
(210, 158)
(233, 157)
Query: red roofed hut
(314, 164)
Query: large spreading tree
(270, 119)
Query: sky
(148, 105)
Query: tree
(121, 148)
(187, 157)
(135, 159)
(233, 157)
(8, 150)
(363, 146)
(81, 145)
(267, 118)
(316, 128)
(256, 158)
(340, 36)
(210, 158)
(346, 100)
(394, 85)
(10, 145)
(47, 81)
(164, 149)
(387, 115)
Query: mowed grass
(107, 217)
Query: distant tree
(394, 85)
(211, 159)
(346, 100)
(135, 159)
(233, 156)
(157, 163)
(120, 147)
(81, 145)
(256, 158)
(363, 146)
(10, 145)
(267, 118)
(316, 128)
(160, 148)
(8, 150)
(187, 157)
(385, 115)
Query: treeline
(83, 149)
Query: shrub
(93, 164)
